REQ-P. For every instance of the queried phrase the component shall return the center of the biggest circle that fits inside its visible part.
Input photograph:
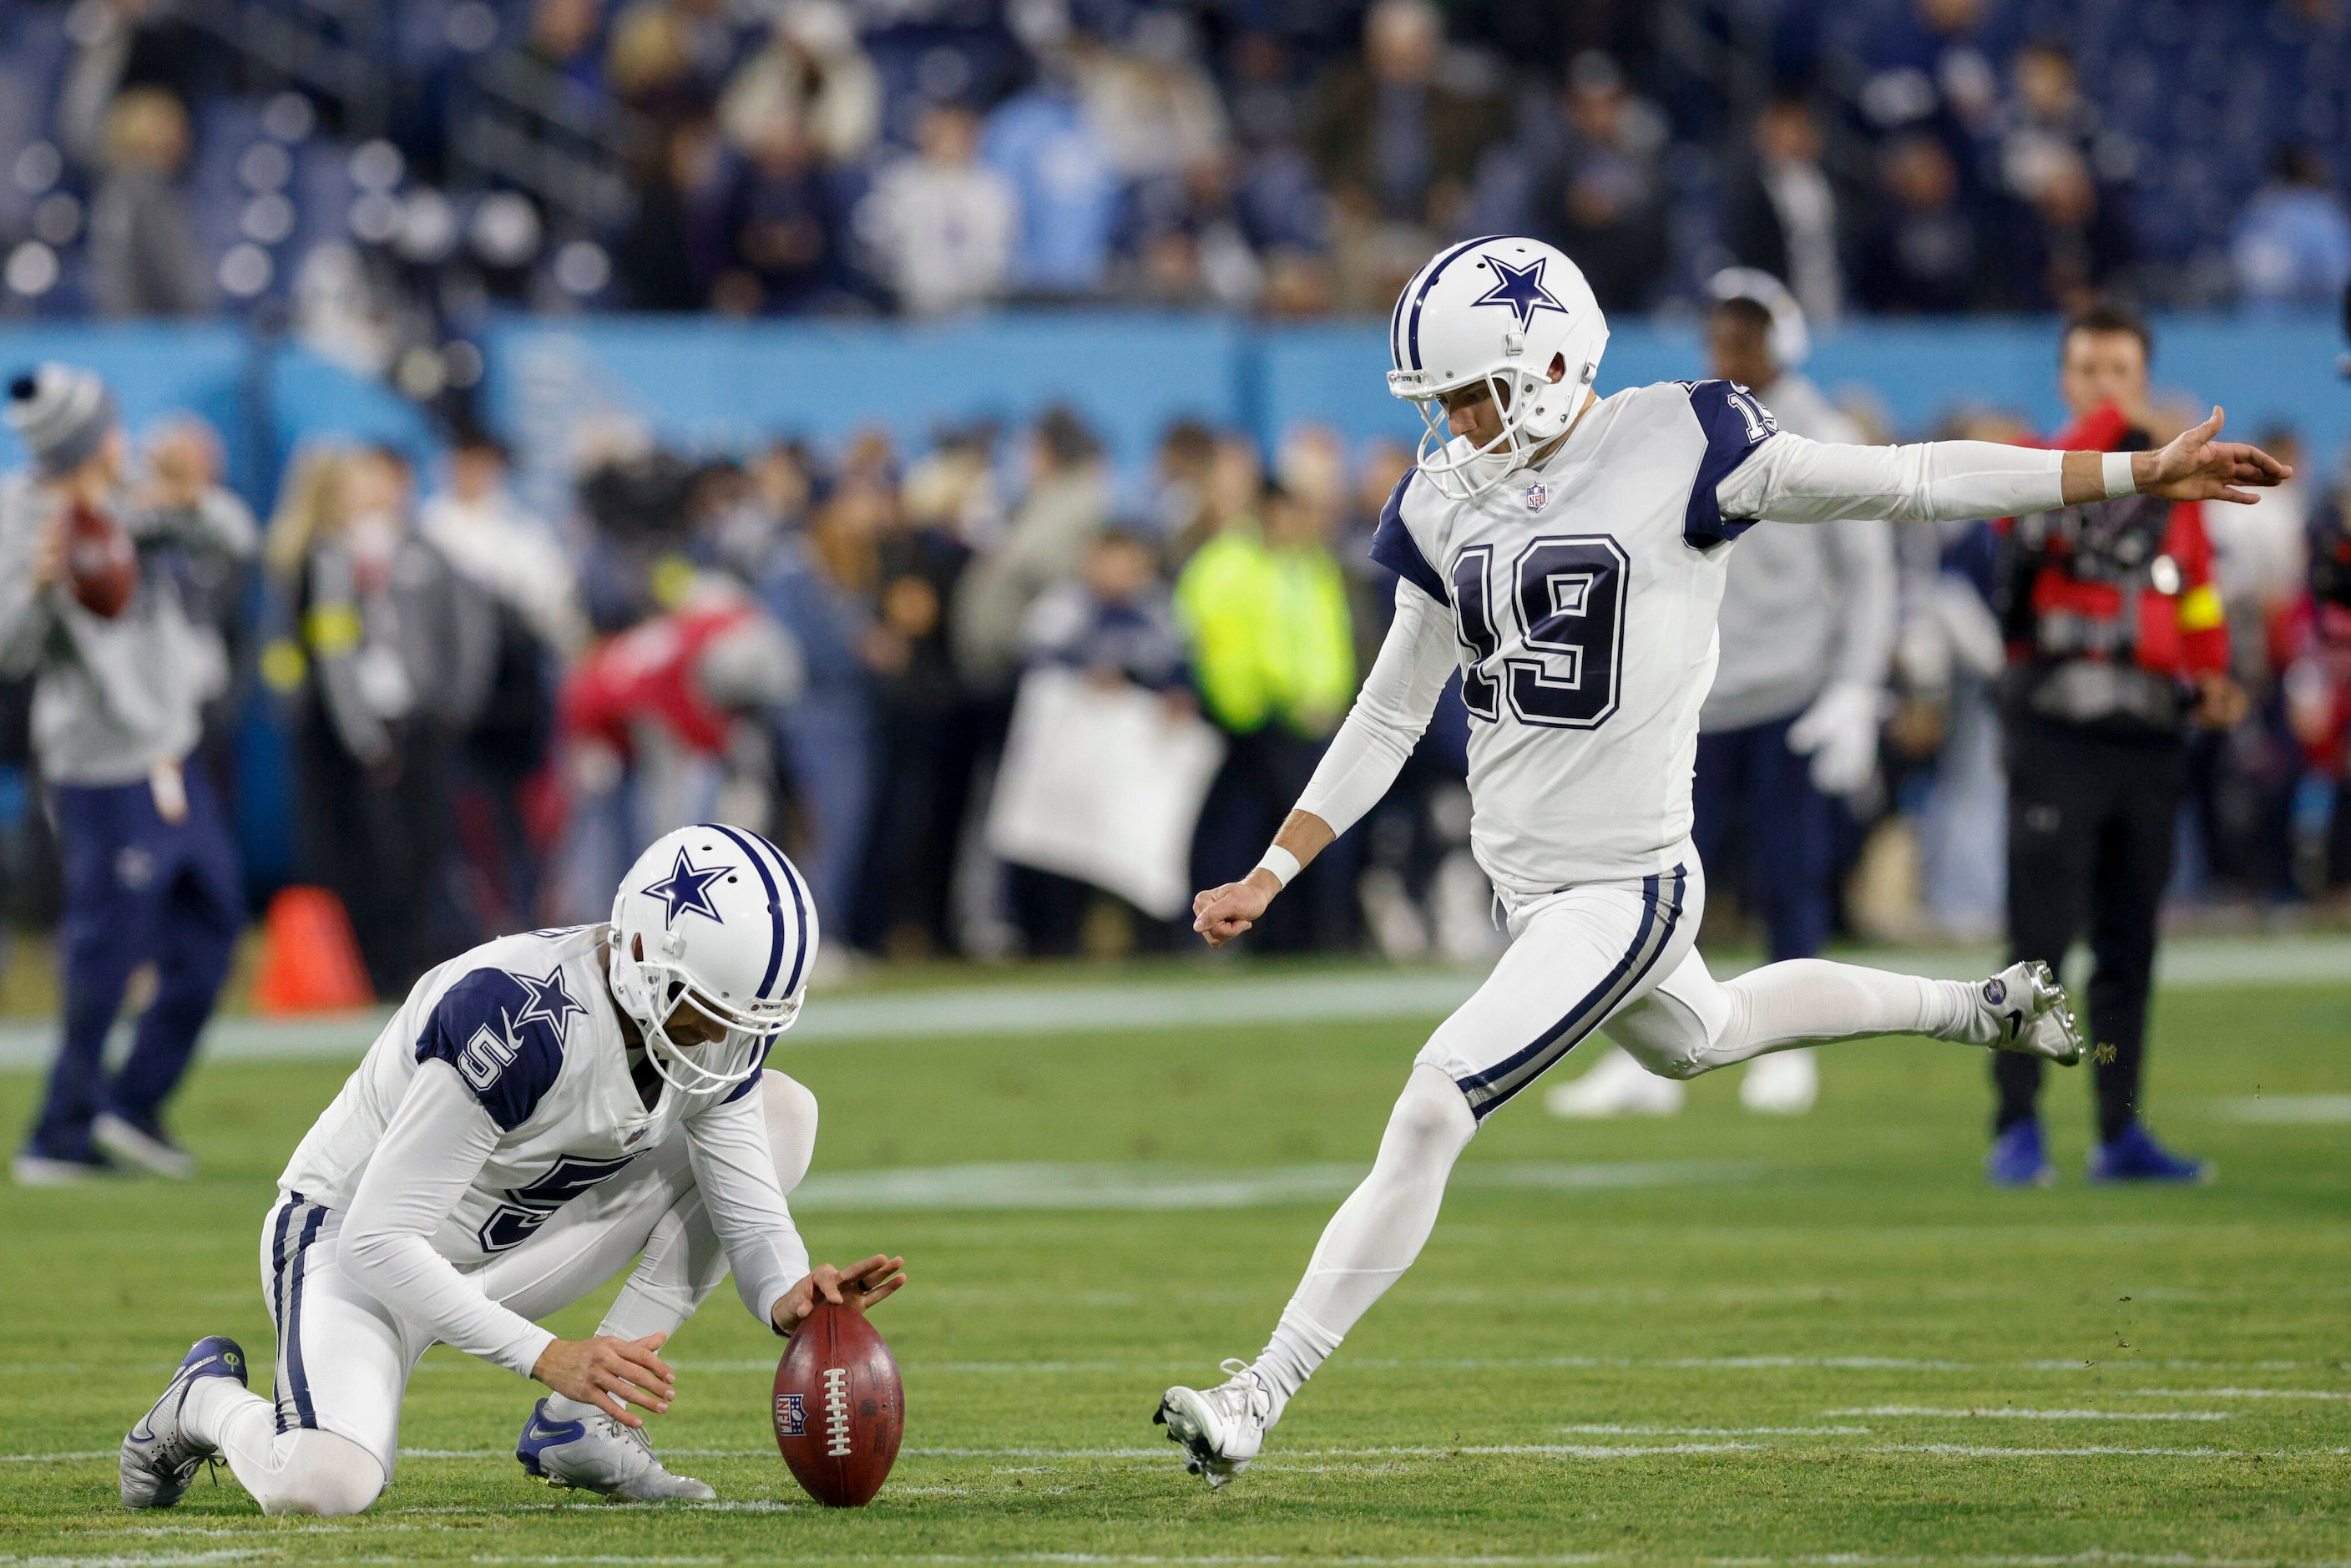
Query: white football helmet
(716, 917)
(1498, 310)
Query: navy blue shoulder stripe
(1393, 546)
(1735, 425)
(509, 1066)
(1428, 281)
(774, 908)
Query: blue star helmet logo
(1521, 288)
(687, 891)
(548, 1001)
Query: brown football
(840, 1409)
(101, 565)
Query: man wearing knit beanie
(150, 870)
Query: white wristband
(2115, 469)
(1281, 862)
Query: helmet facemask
(650, 987)
(1534, 409)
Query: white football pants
(328, 1443)
(1618, 957)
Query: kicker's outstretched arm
(1794, 480)
(1363, 761)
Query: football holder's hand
(610, 1373)
(1221, 914)
(2197, 468)
(861, 1285)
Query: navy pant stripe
(291, 1336)
(286, 1207)
(1659, 917)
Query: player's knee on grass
(791, 1126)
(324, 1475)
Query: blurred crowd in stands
(487, 713)
(387, 174)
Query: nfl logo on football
(1538, 497)
(791, 1419)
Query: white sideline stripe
(2011, 1414)
(1445, 1364)
(1602, 1429)
(1159, 1187)
(2235, 1393)
(2095, 1559)
(2286, 1108)
(1366, 994)
(1554, 1450)
(155, 1560)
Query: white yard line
(2286, 1110)
(2009, 1413)
(2094, 1559)
(2234, 1393)
(1104, 1187)
(1605, 1431)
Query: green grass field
(1718, 1338)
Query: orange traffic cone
(310, 960)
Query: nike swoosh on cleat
(538, 1434)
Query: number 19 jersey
(1583, 594)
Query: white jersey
(1578, 600)
(1584, 595)
(529, 1025)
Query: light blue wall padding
(717, 385)
(154, 368)
(209, 370)
(725, 384)
(312, 398)
(722, 385)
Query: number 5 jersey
(527, 1026)
(1578, 601)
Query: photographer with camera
(2117, 642)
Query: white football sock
(563, 1407)
(1693, 1023)
(1801, 1000)
(1376, 1233)
(301, 1471)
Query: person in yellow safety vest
(1266, 611)
(1273, 646)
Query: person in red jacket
(2117, 644)
(661, 708)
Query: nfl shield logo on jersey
(1538, 497)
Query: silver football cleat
(2023, 1008)
(1222, 1428)
(599, 1453)
(159, 1458)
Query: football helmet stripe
(775, 906)
(1428, 281)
